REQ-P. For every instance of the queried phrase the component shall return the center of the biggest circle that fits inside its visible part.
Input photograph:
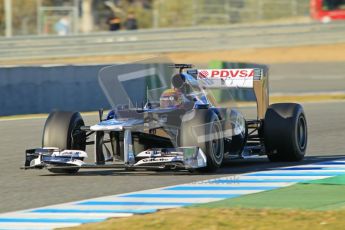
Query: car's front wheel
(202, 128)
(62, 130)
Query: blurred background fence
(31, 17)
(222, 12)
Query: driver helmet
(171, 98)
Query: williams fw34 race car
(174, 117)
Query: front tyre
(62, 130)
(202, 128)
(285, 132)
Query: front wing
(170, 158)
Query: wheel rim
(216, 144)
(77, 136)
(302, 133)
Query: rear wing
(246, 78)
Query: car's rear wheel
(62, 130)
(285, 132)
(203, 129)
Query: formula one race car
(165, 120)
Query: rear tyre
(285, 132)
(62, 130)
(203, 129)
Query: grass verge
(307, 53)
(307, 98)
(225, 218)
(300, 196)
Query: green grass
(225, 219)
(299, 196)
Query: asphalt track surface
(34, 188)
(308, 77)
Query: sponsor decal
(203, 73)
(161, 159)
(242, 78)
(226, 73)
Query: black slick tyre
(202, 128)
(62, 130)
(285, 132)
